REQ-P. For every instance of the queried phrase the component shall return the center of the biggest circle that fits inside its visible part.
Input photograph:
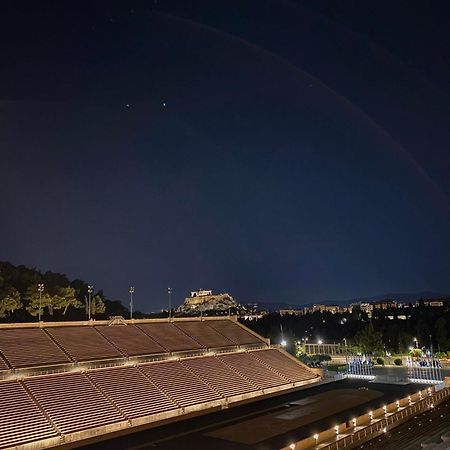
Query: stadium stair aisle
(3, 363)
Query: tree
(64, 298)
(97, 305)
(34, 299)
(9, 301)
(404, 341)
(422, 330)
(416, 352)
(369, 340)
(441, 332)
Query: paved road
(401, 372)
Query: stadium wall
(371, 425)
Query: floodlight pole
(40, 290)
(131, 301)
(169, 292)
(90, 290)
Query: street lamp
(169, 292)
(131, 301)
(90, 290)
(40, 288)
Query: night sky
(285, 151)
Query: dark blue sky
(278, 150)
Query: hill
(24, 291)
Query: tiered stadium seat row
(24, 347)
(47, 406)
(133, 393)
(234, 332)
(83, 343)
(206, 336)
(169, 336)
(130, 340)
(71, 402)
(20, 419)
(179, 383)
(218, 375)
(253, 370)
(30, 347)
(283, 365)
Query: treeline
(424, 326)
(23, 291)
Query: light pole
(169, 292)
(346, 353)
(90, 290)
(40, 287)
(131, 301)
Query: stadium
(146, 383)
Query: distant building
(252, 317)
(201, 293)
(385, 304)
(432, 303)
(325, 349)
(333, 309)
(366, 308)
(291, 312)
